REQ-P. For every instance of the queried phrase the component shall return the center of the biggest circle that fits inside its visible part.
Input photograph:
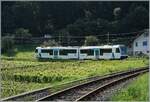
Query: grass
(137, 91)
(22, 72)
(24, 53)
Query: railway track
(82, 90)
(94, 94)
(85, 91)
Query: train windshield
(123, 50)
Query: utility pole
(108, 38)
(68, 40)
(59, 39)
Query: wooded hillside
(74, 18)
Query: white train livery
(84, 52)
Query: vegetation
(67, 23)
(50, 43)
(7, 44)
(50, 73)
(22, 33)
(75, 19)
(23, 72)
(91, 41)
(137, 91)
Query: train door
(55, 53)
(96, 53)
(39, 53)
(117, 53)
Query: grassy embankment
(136, 91)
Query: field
(22, 72)
(137, 91)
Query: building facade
(140, 45)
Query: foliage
(135, 18)
(50, 43)
(91, 41)
(64, 37)
(77, 18)
(23, 33)
(41, 74)
(7, 44)
(137, 91)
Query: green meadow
(22, 72)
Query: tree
(79, 18)
(23, 33)
(136, 20)
(91, 41)
(7, 44)
(64, 37)
(50, 43)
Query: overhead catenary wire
(100, 35)
(110, 34)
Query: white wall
(140, 47)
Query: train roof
(82, 47)
(57, 47)
(105, 46)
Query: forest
(74, 19)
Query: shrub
(50, 43)
(7, 44)
(91, 41)
(21, 32)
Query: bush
(7, 44)
(91, 41)
(50, 43)
(23, 33)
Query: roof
(138, 35)
(57, 47)
(145, 31)
(105, 46)
(82, 47)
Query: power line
(132, 33)
(101, 35)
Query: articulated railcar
(57, 52)
(85, 52)
(103, 52)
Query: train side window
(105, 51)
(101, 53)
(47, 51)
(117, 50)
(87, 51)
(65, 52)
(50, 52)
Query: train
(83, 52)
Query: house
(140, 44)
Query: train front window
(117, 50)
(123, 50)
